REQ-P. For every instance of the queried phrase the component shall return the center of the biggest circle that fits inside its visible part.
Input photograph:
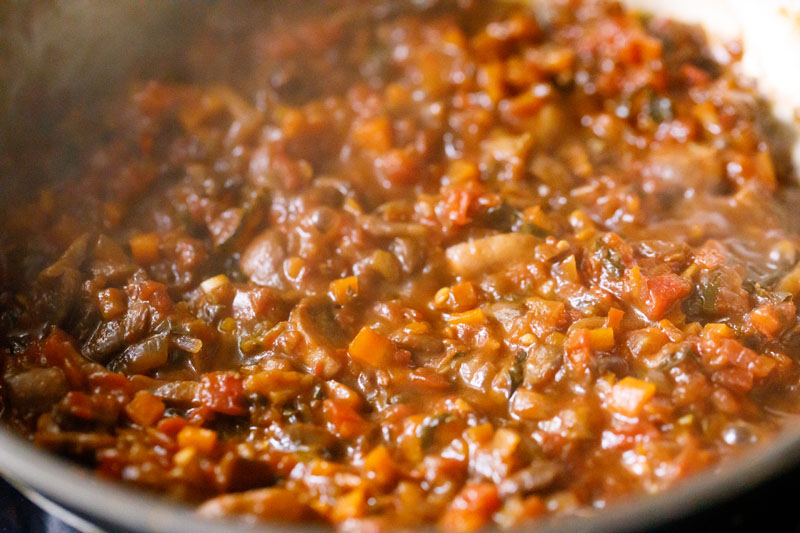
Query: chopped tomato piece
(223, 392)
(471, 509)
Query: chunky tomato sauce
(392, 264)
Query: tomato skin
(471, 508)
(663, 291)
(223, 392)
(343, 419)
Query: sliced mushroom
(411, 253)
(382, 228)
(263, 259)
(265, 504)
(489, 254)
(37, 389)
(177, 392)
(542, 363)
(107, 339)
(109, 260)
(59, 284)
(144, 356)
(323, 335)
(539, 475)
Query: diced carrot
(471, 508)
(474, 317)
(629, 396)
(201, 439)
(157, 295)
(144, 248)
(492, 78)
(418, 328)
(463, 295)
(371, 348)
(172, 425)
(351, 505)
(480, 434)
(614, 318)
(396, 95)
(380, 467)
(461, 171)
(718, 331)
(294, 267)
(145, 409)
(344, 289)
(505, 442)
(374, 135)
(602, 339)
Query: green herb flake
(516, 374)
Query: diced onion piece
(370, 348)
(212, 284)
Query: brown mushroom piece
(323, 335)
(265, 504)
(58, 286)
(37, 389)
(143, 356)
(539, 475)
(263, 259)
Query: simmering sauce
(392, 264)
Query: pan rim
(91, 497)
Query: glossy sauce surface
(391, 264)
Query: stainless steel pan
(62, 54)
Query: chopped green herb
(427, 429)
(516, 374)
(532, 229)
